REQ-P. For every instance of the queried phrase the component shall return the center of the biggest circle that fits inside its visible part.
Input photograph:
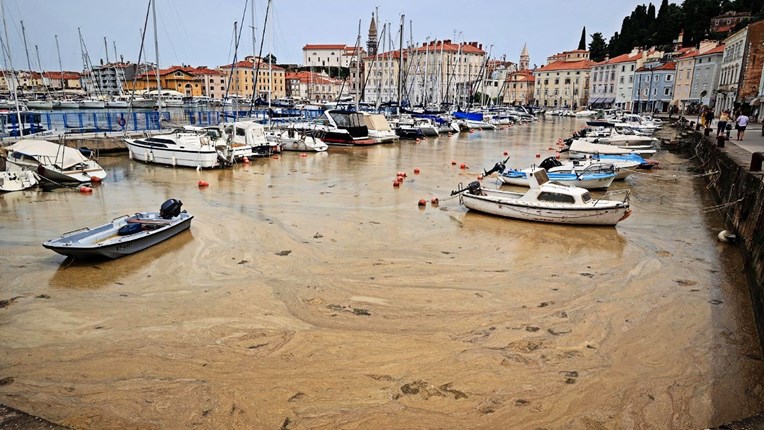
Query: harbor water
(312, 293)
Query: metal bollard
(720, 140)
(756, 164)
(707, 131)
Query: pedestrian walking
(741, 122)
(710, 115)
(723, 122)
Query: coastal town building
(564, 81)
(730, 70)
(706, 74)
(626, 64)
(493, 86)
(519, 88)
(57, 81)
(241, 82)
(212, 83)
(314, 87)
(445, 72)
(328, 56)
(685, 62)
(110, 77)
(751, 74)
(175, 78)
(725, 22)
(653, 87)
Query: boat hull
(495, 204)
(590, 182)
(86, 245)
(141, 151)
(17, 181)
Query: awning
(592, 100)
(608, 100)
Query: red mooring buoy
(202, 184)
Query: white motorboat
(581, 148)
(17, 181)
(292, 140)
(118, 103)
(247, 139)
(124, 235)
(379, 129)
(546, 202)
(619, 136)
(50, 160)
(181, 148)
(340, 127)
(143, 103)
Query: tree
(598, 47)
(613, 43)
(583, 40)
(270, 59)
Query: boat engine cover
(170, 208)
(474, 188)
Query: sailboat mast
(358, 66)
(24, 36)
(254, 57)
(106, 49)
(156, 52)
(6, 45)
(42, 78)
(60, 67)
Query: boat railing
(73, 232)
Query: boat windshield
(586, 197)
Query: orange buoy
(202, 183)
(479, 177)
(245, 160)
(275, 157)
(538, 155)
(454, 163)
(416, 170)
(434, 201)
(95, 179)
(463, 166)
(396, 183)
(84, 189)
(557, 155)
(504, 153)
(422, 202)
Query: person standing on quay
(741, 122)
(722, 122)
(710, 115)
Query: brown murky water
(310, 293)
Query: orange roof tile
(62, 75)
(624, 58)
(666, 66)
(567, 65)
(719, 49)
(319, 46)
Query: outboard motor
(498, 167)
(474, 188)
(550, 162)
(170, 208)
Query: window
(656, 78)
(547, 196)
(668, 78)
(667, 91)
(623, 67)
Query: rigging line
(260, 55)
(167, 37)
(138, 64)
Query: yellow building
(271, 78)
(176, 78)
(564, 81)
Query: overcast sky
(200, 32)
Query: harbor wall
(735, 180)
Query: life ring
(121, 121)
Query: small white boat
(17, 181)
(50, 160)
(181, 148)
(125, 235)
(379, 128)
(117, 103)
(92, 104)
(292, 140)
(39, 104)
(546, 202)
(66, 104)
(143, 103)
